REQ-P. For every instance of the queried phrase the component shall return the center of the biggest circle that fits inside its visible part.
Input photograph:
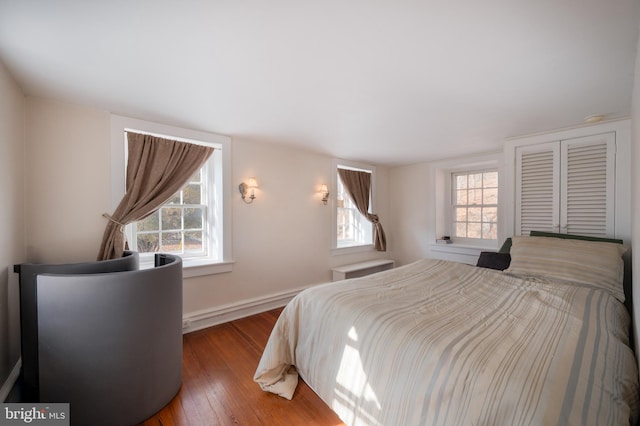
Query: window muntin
(352, 228)
(475, 205)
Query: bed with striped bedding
(442, 343)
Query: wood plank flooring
(218, 388)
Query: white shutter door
(537, 192)
(588, 186)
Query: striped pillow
(595, 263)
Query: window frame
(352, 165)
(222, 178)
(454, 205)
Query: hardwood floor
(218, 388)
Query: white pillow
(595, 263)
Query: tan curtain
(156, 169)
(358, 185)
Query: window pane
(475, 196)
(490, 196)
(147, 243)
(474, 230)
(193, 218)
(474, 214)
(461, 214)
(150, 223)
(490, 180)
(461, 230)
(175, 199)
(490, 231)
(171, 218)
(193, 241)
(345, 220)
(490, 214)
(172, 241)
(461, 182)
(192, 194)
(461, 196)
(475, 180)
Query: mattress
(443, 343)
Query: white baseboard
(206, 318)
(8, 384)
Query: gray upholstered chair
(108, 342)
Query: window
(196, 222)
(465, 204)
(185, 225)
(352, 229)
(475, 205)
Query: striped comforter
(442, 343)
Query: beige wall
(412, 216)
(68, 162)
(281, 242)
(12, 224)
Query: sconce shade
(244, 188)
(325, 193)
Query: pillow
(594, 263)
(573, 237)
(506, 246)
(493, 260)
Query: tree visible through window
(475, 205)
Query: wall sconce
(325, 193)
(244, 188)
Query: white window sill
(353, 249)
(470, 250)
(196, 267)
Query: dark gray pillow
(493, 260)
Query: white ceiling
(390, 82)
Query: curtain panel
(358, 185)
(156, 169)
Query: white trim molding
(209, 317)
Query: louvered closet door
(537, 188)
(588, 185)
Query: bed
(546, 341)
